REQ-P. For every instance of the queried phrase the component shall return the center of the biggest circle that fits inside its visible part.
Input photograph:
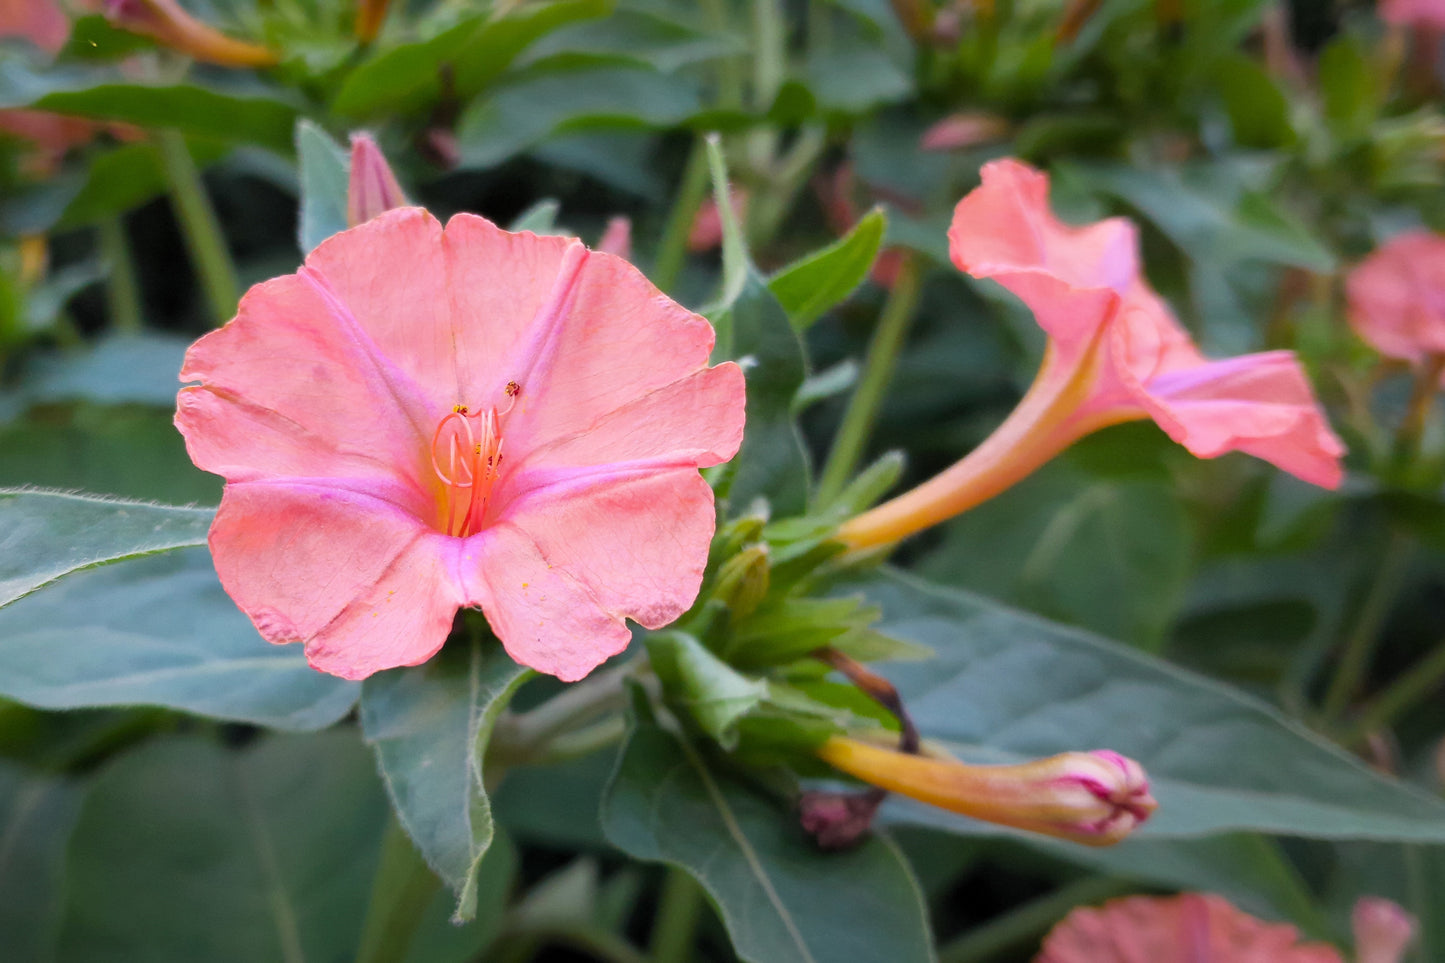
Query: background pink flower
(1397, 297)
(1417, 13)
(39, 21)
(423, 419)
(1190, 928)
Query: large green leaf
(159, 631)
(782, 899)
(47, 535)
(1006, 685)
(474, 53)
(430, 726)
(643, 36)
(813, 284)
(188, 851)
(115, 370)
(37, 813)
(548, 100)
(325, 178)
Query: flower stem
(1417, 411)
(1418, 681)
(862, 410)
(678, 911)
(403, 887)
(1360, 644)
(672, 249)
(199, 226)
(122, 293)
(1027, 923)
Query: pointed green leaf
(781, 898)
(37, 815)
(1006, 685)
(811, 285)
(159, 631)
(429, 726)
(45, 536)
(325, 178)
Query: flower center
(466, 455)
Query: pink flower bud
(957, 131)
(1096, 798)
(617, 238)
(1383, 930)
(373, 189)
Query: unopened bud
(617, 238)
(372, 189)
(968, 129)
(838, 820)
(743, 580)
(1096, 798)
(165, 22)
(1383, 930)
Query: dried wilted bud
(1096, 798)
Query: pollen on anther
(459, 409)
(513, 389)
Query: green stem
(122, 293)
(1407, 690)
(1360, 645)
(403, 887)
(1417, 413)
(678, 911)
(863, 407)
(730, 76)
(199, 226)
(1030, 921)
(672, 249)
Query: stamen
(470, 463)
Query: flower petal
(1397, 296)
(287, 390)
(1071, 277)
(1261, 404)
(309, 562)
(568, 563)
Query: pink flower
(1190, 928)
(424, 419)
(1397, 297)
(706, 232)
(39, 21)
(966, 129)
(1115, 354)
(617, 238)
(1417, 13)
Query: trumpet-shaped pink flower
(1397, 297)
(1190, 928)
(1115, 354)
(422, 419)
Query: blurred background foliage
(1262, 146)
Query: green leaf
(540, 218)
(45, 536)
(159, 631)
(853, 76)
(407, 78)
(325, 179)
(438, 940)
(645, 37)
(1349, 86)
(429, 726)
(37, 814)
(811, 285)
(251, 114)
(1007, 686)
(707, 689)
(547, 100)
(185, 851)
(782, 900)
(1108, 554)
(114, 370)
(1257, 108)
(753, 329)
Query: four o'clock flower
(1397, 297)
(1095, 798)
(1115, 354)
(371, 187)
(423, 419)
(1189, 928)
(1416, 13)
